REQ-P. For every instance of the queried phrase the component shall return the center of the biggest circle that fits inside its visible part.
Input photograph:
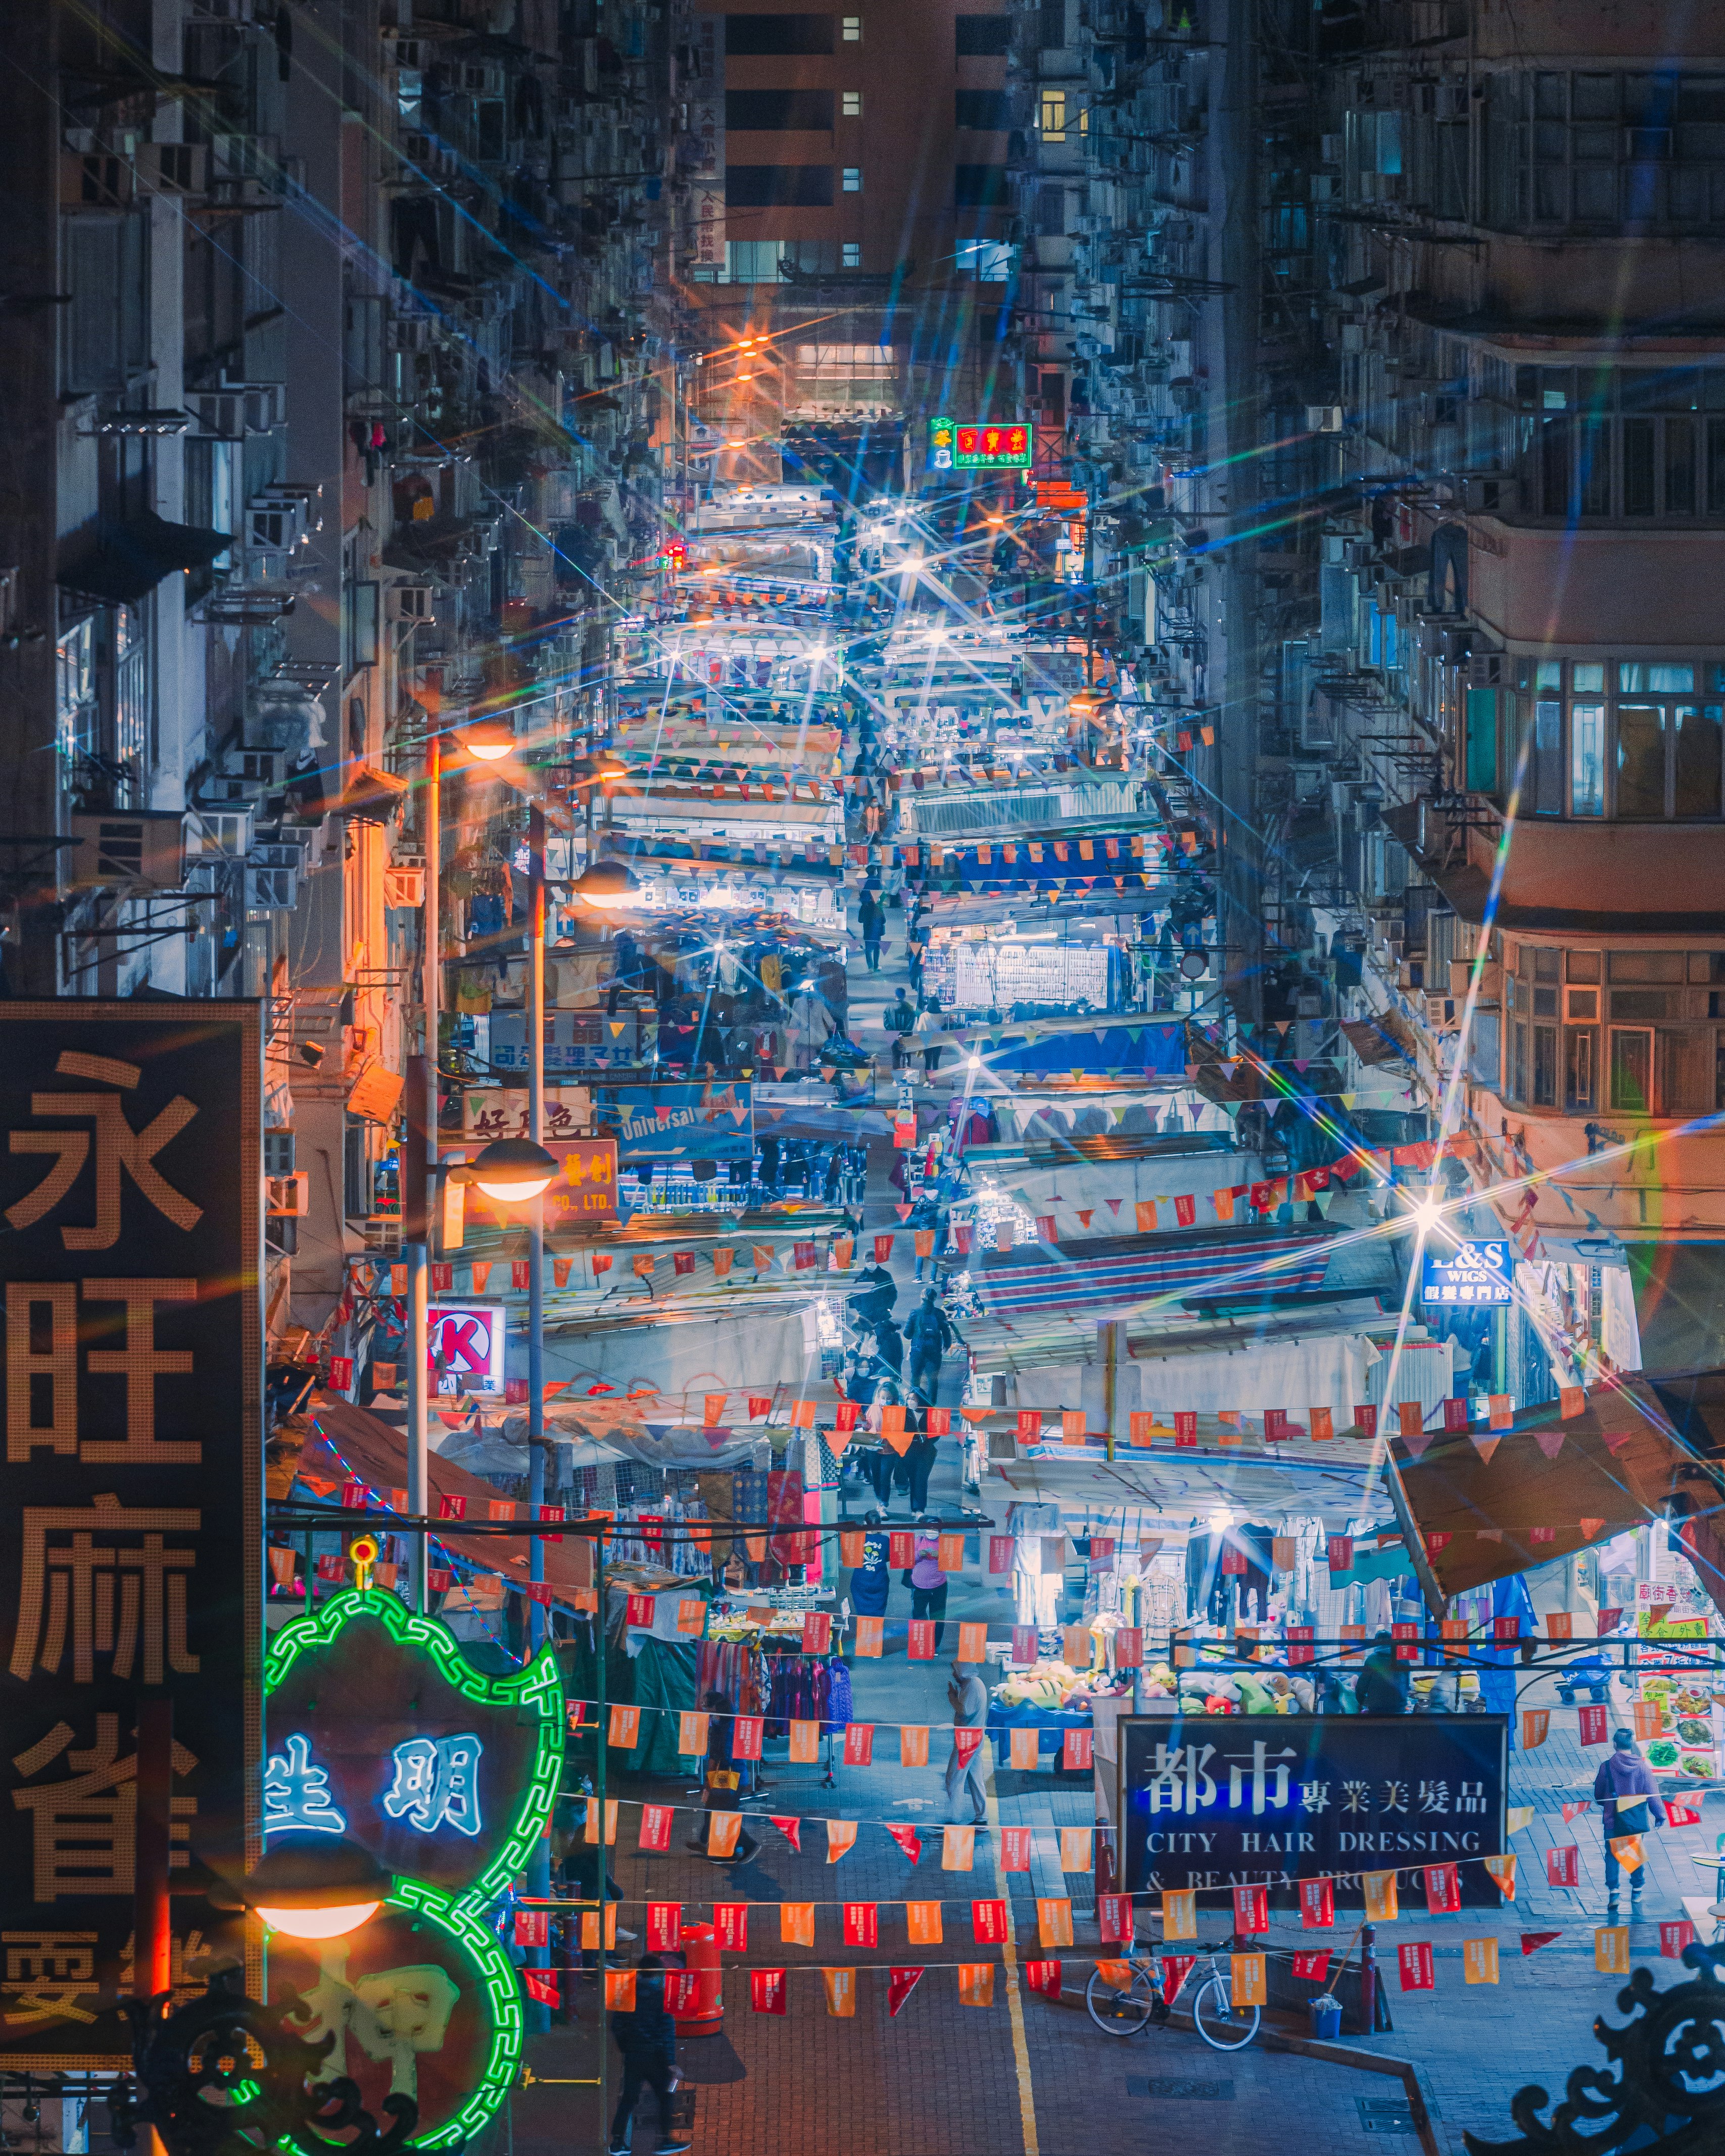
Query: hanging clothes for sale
(797, 1688)
(1254, 1583)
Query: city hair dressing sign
(1215, 1801)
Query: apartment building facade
(855, 234)
(345, 397)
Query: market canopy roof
(348, 1441)
(1636, 1451)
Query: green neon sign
(533, 1696)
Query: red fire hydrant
(700, 1952)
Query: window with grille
(1587, 149)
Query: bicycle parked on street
(1122, 2009)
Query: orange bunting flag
(958, 1848)
(1611, 1949)
(1179, 1912)
(1572, 1401)
(1249, 1980)
(912, 1746)
(841, 1836)
(840, 1988)
(590, 1928)
(1479, 1960)
(805, 1743)
(1076, 1848)
(922, 1923)
(972, 1642)
(796, 1923)
(1323, 1422)
(976, 1984)
(1026, 1746)
(1054, 1923)
(868, 1635)
(1536, 1727)
(691, 1615)
(619, 1991)
(625, 1727)
(1381, 1906)
(1503, 1869)
(722, 1831)
(949, 1555)
(691, 1736)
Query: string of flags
(688, 1990)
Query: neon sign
(427, 1996)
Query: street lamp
(489, 740)
(314, 1887)
(514, 1171)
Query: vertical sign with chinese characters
(704, 159)
(131, 1191)
(1215, 1801)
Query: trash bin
(1326, 2018)
(700, 1952)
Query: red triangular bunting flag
(792, 1829)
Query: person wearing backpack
(1625, 1790)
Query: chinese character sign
(1481, 1273)
(1006, 447)
(1215, 1801)
(379, 1728)
(130, 1189)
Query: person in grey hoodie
(1630, 1800)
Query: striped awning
(1122, 1272)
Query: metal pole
(539, 1865)
(535, 1226)
(153, 1924)
(419, 1184)
(153, 1944)
(598, 1784)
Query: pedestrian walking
(928, 1584)
(871, 920)
(964, 1784)
(1383, 1685)
(1629, 1801)
(929, 1333)
(871, 1581)
(724, 1780)
(647, 2038)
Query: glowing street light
(489, 740)
(514, 1171)
(316, 1888)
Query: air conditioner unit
(271, 890)
(1439, 1013)
(96, 184)
(404, 887)
(411, 602)
(225, 834)
(144, 851)
(257, 766)
(273, 527)
(1491, 670)
(1323, 418)
(172, 168)
(287, 1197)
(410, 332)
(480, 78)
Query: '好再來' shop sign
(1220, 1801)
